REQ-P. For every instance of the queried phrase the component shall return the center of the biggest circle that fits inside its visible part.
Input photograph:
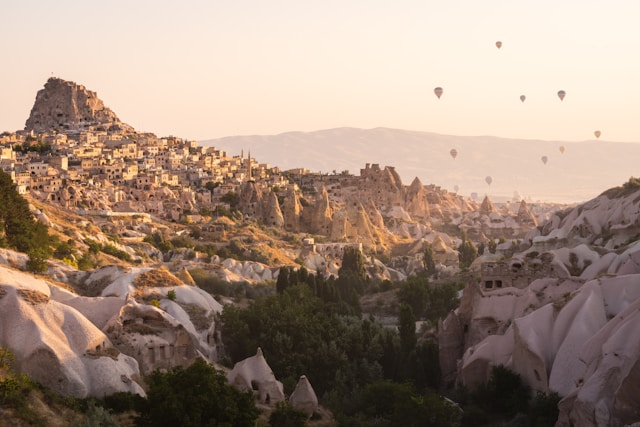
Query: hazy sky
(205, 69)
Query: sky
(208, 69)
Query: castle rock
(65, 105)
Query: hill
(577, 174)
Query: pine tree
(20, 230)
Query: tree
(20, 229)
(429, 261)
(492, 245)
(231, 198)
(467, 252)
(353, 262)
(285, 415)
(390, 404)
(210, 185)
(196, 396)
(414, 291)
(407, 328)
(282, 282)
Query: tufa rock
(304, 397)
(66, 105)
(254, 373)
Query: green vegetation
(429, 262)
(118, 253)
(195, 396)
(467, 252)
(506, 399)
(285, 415)
(18, 228)
(389, 404)
(428, 302)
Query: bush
(196, 396)
(118, 253)
(37, 262)
(285, 415)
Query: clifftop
(66, 105)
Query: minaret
(249, 172)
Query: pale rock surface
(304, 397)
(64, 350)
(66, 105)
(254, 373)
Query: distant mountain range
(582, 171)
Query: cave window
(488, 284)
(498, 283)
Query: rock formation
(573, 330)
(273, 215)
(417, 204)
(254, 373)
(525, 216)
(65, 105)
(486, 207)
(304, 397)
(56, 345)
(318, 218)
(291, 211)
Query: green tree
(285, 415)
(492, 245)
(353, 262)
(442, 299)
(210, 185)
(543, 410)
(414, 291)
(467, 252)
(429, 261)
(20, 229)
(232, 199)
(282, 282)
(407, 328)
(196, 396)
(390, 404)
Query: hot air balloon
(544, 159)
(453, 153)
(522, 98)
(488, 180)
(438, 91)
(562, 149)
(561, 94)
(597, 133)
(498, 44)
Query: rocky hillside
(514, 164)
(572, 329)
(65, 105)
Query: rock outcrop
(56, 345)
(573, 331)
(304, 397)
(65, 105)
(254, 373)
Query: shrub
(196, 396)
(285, 415)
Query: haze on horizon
(207, 69)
